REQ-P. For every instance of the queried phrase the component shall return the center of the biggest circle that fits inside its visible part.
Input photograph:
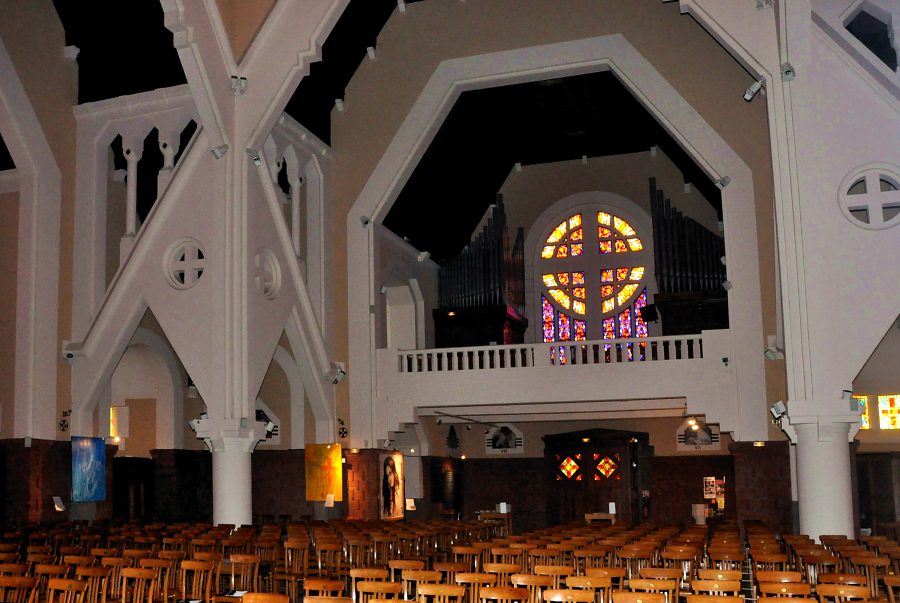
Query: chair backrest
(718, 574)
(624, 596)
(368, 590)
(716, 587)
(838, 593)
(557, 572)
(616, 574)
(473, 581)
(502, 570)
(534, 584)
(265, 598)
(784, 589)
(45, 572)
(843, 578)
(662, 573)
(714, 599)
(62, 590)
(195, 579)
(330, 587)
(439, 593)
(13, 569)
(450, 569)
(18, 589)
(504, 594)
(776, 576)
(137, 585)
(97, 578)
(244, 572)
(892, 586)
(568, 595)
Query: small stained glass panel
(604, 218)
(606, 467)
(604, 233)
(580, 330)
(575, 221)
(557, 233)
(547, 318)
(562, 251)
(637, 273)
(607, 290)
(578, 278)
(577, 249)
(606, 276)
(578, 307)
(606, 247)
(626, 293)
(889, 411)
(609, 328)
(563, 278)
(863, 402)
(620, 246)
(564, 330)
(549, 280)
(608, 305)
(622, 274)
(623, 227)
(547, 252)
(579, 292)
(561, 298)
(568, 467)
(577, 235)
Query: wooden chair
(871, 566)
(328, 559)
(568, 595)
(600, 586)
(504, 594)
(843, 578)
(360, 574)
(161, 568)
(328, 587)
(296, 562)
(714, 599)
(841, 593)
(13, 569)
(449, 569)
(624, 596)
(97, 578)
(557, 572)
(44, 573)
(398, 566)
(412, 579)
(669, 588)
(114, 583)
(326, 599)
(469, 555)
(62, 590)
(369, 590)
(474, 581)
(892, 587)
(18, 589)
(716, 587)
(502, 570)
(534, 584)
(717, 574)
(769, 561)
(138, 585)
(615, 574)
(243, 572)
(254, 597)
(784, 589)
(439, 593)
(776, 576)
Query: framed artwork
(391, 498)
(504, 439)
(324, 472)
(88, 469)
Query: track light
(778, 409)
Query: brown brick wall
(363, 481)
(762, 478)
(676, 482)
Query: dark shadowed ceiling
(125, 48)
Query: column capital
(828, 416)
(231, 434)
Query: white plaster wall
(142, 374)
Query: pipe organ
(481, 292)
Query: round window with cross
(185, 263)
(592, 268)
(869, 197)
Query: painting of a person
(392, 487)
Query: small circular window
(267, 273)
(869, 197)
(185, 263)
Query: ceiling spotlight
(585, 440)
(692, 421)
(695, 427)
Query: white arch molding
(298, 412)
(169, 421)
(613, 53)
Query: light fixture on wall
(778, 409)
(774, 353)
(752, 90)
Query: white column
(132, 156)
(231, 442)
(821, 431)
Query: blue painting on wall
(88, 469)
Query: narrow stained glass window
(863, 411)
(889, 411)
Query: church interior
(325, 262)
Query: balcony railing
(558, 354)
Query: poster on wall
(324, 472)
(504, 439)
(391, 494)
(88, 469)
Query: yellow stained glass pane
(863, 402)
(575, 221)
(606, 467)
(604, 218)
(562, 251)
(557, 233)
(577, 249)
(568, 467)
(889, 411)
(578, 278)
(626, 293)
(637, 273)
(635, 244)
(606, 290)
(622, 274)
(547, 252)
(579, 292)
(604, 233)
(561, 298)
(623, 226)
(620, 246)
(608, 305)
(563, 278)
(605, 246)
(549, 280)
(576, 235)
(606, 276)
(578, 307)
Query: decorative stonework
(184, 263)
(267, 273)
(869, 197)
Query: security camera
(752, 90)
(778, 409)
(70, 350)
(338, 376)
